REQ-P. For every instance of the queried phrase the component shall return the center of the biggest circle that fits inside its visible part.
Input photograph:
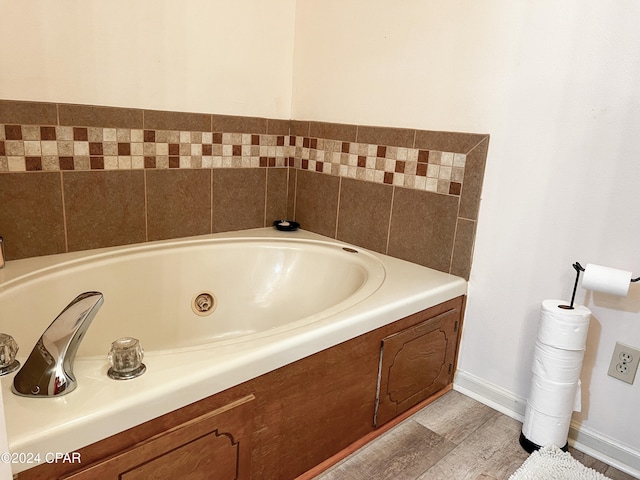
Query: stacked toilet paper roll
(557, 363)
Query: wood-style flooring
(453, 438)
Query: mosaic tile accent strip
(440, 172)
(32, 148)
(25, 148)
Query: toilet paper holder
(579, 268)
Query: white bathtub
(279, 296)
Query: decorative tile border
(25, 148)
(440, 172)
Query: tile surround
(239, 198)
(277, 194)
(259, 169)
(365, 210)
(31, 211)
(104, 210)
(178, 203)
(317, 201)
(423, 228)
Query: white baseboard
(581, 438)
(491, 395)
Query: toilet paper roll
(543, 429)
(563, 328)
(553, 398)
(557, 365)
(606, 280)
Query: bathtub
(276, 297)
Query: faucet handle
(8, 351)
(125, 357)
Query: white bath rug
(551, 463)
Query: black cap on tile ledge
(286, 225)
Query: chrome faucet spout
(48, 372)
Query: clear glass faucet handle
(8, 350)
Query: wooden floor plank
(403, 453)
(454, 416)
(454, 437)
(491, 451)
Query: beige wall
(412, 63)
(196, 56)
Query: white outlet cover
(624, 363)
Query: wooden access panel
(214, 446)
(415, 363)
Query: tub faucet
(48, 372)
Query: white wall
(230, 57)
(557, 86)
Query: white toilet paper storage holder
(579, 268)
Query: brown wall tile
(398, 137)
(277, 189)
(238, 198)
(161, 120)
(236, 124)
(104, 208)
(317, 202)
(422, 228)
(363, 217)
(278, 127)
(463, 248)
(299, 128)
(178, 203)
(28, 113)
(90, 116)
(333, 131)
(472, 184)
(447, 141)
(31, 218)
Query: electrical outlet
(624, 363)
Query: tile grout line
(144, 183)
(288, 193)
(455, 235)
(486, 137)
(211, 200)
(393, 196)
(295, 194)
(338, 208)
(146, 205)
(266, 196)
(64, 214)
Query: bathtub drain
(204, 303)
